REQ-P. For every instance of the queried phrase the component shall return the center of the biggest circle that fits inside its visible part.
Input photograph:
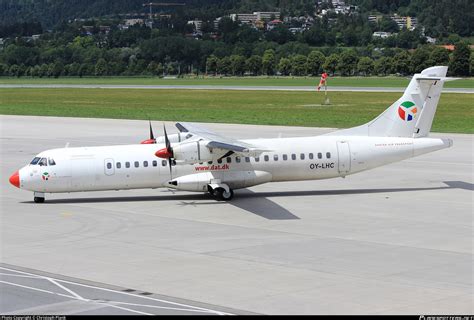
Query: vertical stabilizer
(411, 115)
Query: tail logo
(407, 111)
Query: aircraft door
(109, 167)
(344, 157)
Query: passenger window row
(136, 164)
(275, 157)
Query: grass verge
(251, 107)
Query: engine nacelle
(175, 137)
(192, 152)
(198, 182)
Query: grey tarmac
(217, 87)
(394, 240)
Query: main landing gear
(38, 197)
(220, 192)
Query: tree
(224, 66)
(460, 62)
(383, 66)
(268, 62)
(420, 60)
(237, 64)
(471, 66)
(298, 67)
(365, 66)
(211, 64)
(43, 72)
(284, 66)
(331, 63)
(14, 70)
(101, 67)
(254, 64)
(315, 62)
(439, 57)
(279, 34)
(3, 69)
(401, 62)
(347, 63)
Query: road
(215, 87)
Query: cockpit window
(51, 162)
(43, 162)
(35, 160)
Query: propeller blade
(169, 150)
(152, 137)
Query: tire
(227, 196)
(38, 199)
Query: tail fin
(411, 115)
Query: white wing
(215, 141)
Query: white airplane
(199, 160)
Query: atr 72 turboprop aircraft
(199, 160)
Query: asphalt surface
(34, 292)
(394, 240)
(212, 87)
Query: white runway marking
(113, 304)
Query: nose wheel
(38, 197)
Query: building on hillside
(247, 18)
(132, 22)
(197, 24)
(272, 24)
(374, 18)
(381, 34)
(410, 23)
(267, 16)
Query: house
(381, 34)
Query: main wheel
(38, 199)
(226, 196)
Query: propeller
(152, 139)
(167, 152)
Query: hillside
(439, 17)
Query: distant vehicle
(199, 160)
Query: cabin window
(43, 162)
(155, 163)
(257, 159)
(127, 164)
(163, 163)
(137, 164)
(266, 158)
(275, 157)
(320, 155)
(247, 159)
(118, 165)
(237, 159)
(328, 155)
(302, 156)
(229, 160)
(109, 165)
(51, 162)
(285, 157)
(145, 164)
(293, 156)
(209, 162)
(35, 160)
(311, 156)
(219, 160)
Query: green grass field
(455, 112)
(236, 81)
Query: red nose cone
(163, 153)
(148, 141)
(15, 179)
